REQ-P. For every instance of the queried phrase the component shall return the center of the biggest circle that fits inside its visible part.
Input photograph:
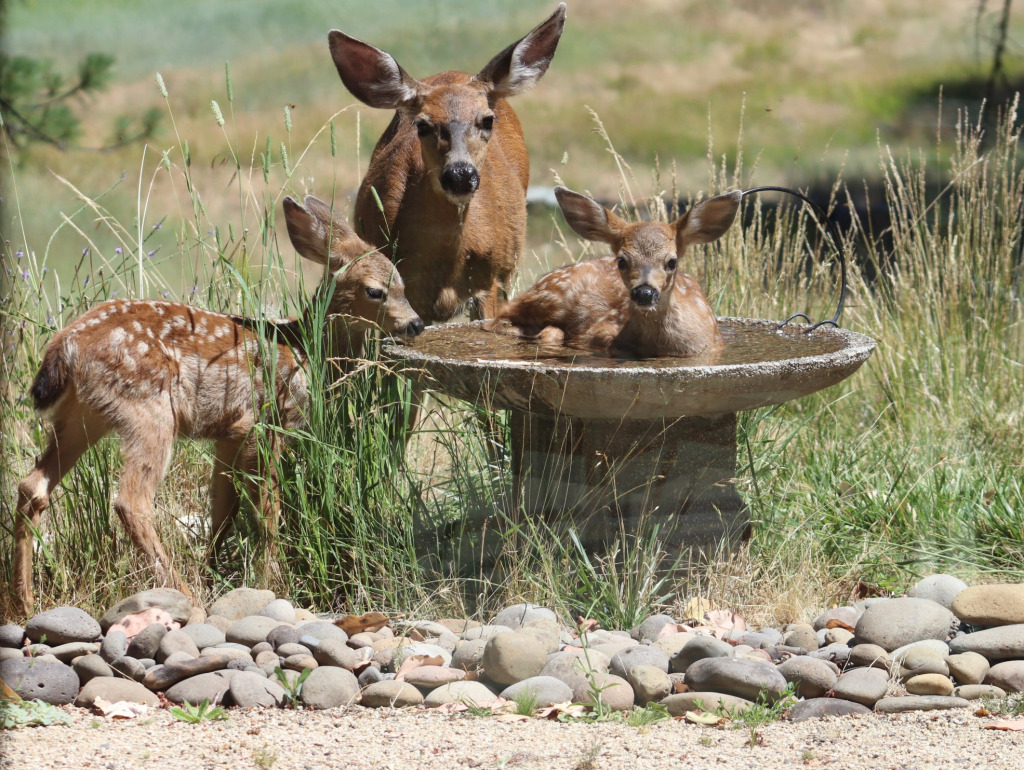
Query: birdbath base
(604, 479)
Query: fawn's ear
(371, 75)
(588, 218)
(522, 64)
(708, 220)
(316, 233)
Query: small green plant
(526, 703)
(30, 713)
(1012, 707)
(766, 710)
(264, 757)
(648, 715)
(292, 686)
(589, 759)
(705, 740)
(194, 714)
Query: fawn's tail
(53, 377)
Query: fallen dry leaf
(724, 622)
(673, 628)
(704, 718)
(7, 693)
(569, 708)
(585, 625)
(122, 709)
(1012, 725)
(697, 608)
(415, 661)
(837, 623)
(367, 622)
(134, 622)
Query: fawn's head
(648, 253)
(454, 114)
(367, 288)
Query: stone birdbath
(609, 447)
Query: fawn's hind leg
(72, 432)
(224, 499)
(147, 445)
(259, 465)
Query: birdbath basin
(609, 446)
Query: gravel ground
(380, 738)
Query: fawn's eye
(487, 123)
(375, 293)
(671, 264)
(620, 262)
(423, 128)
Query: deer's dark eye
(375, 293)
(620, 262)
(671, 264)
(487, 123)
(423, 128)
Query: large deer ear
(371, 75)
(316, 233)
(588, 218)
(707, 221)
(522, 64)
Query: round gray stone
(162, 677)
(613, 691)
(176, 641)
(802, 636)
(322, 630)
(293, 648)
(484, 632)
(280, 609)
(251, 690)
(251, 630)
(89, 667)
(331, 652)
(114, 689)
(516, 615)
(735, 676)
(898, 622)
(11, 635)
(1009, 675)
(623, 661)
(968, 667)
(66, 653)
(545, 690)
(941, 589)
(114, 645)
(813, 677)
(469, 655)
(389, 693)
(991, 605)
(146, 643)
(328, 687)
(862, 685)
(650, 628)
(678, 704)
(54, 683)
(241, 602)
(511, 658)
(816, 708)
(283, 634)
(204, 635)
(697, 648)
(650, 684)
(63, 625)
(847, 615)
(1002, 643)
(574, 666)
(8, 653)
(869, 655)
(423, 648)
(470, 693)
(979, 692)
(129, 667)
(211, 686)
(901, 704)
(174, 602)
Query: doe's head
(367, 288)
(648, 253)
(455, 115)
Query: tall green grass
(911, 465)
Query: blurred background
(795, 93)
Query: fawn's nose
(415, 327)
(460, 179)
(644, 295)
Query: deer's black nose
(644, 295)
(415, 327)
(460, 179)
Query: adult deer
(450, 171)
(635, 303)
(150, 370)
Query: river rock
(677, 705)
(836, 636)
(250, 690)
(390, 693)
(574, 666)
(63, 625)
(241, 603)
(211, 686)
(979, 692)
(929, 684)
(485, 632)
(251, 630)
(673, 643)
(176, 641)
(699, 647)
(516, 615)
(801, 636)
(991, 605)
(613, 691)
(279, 609)
(322, 630)
(114, 689)
(968, 667)
(169, 674)
(146, 643)
(735, 676)
(470, 693)
(114, 646)
(623, 661)
(11, 635)
(283, 634)
(129, 667)
(544, 690)
(469, 655)
(423, 648)
(1001, 643)
(941, 589)
(816, 708)
(66, 653)
(328, 687)
(813, 677)
(649, 630)
(898, 705)
(34, 679)
(862, 685)
(204, 635)
(458, 626)
(511, 658)
(174, 602)
(293, 648)
(89, 667)
(897, 622)
(299, 663)
(869, 655)
(429, 678)
(1008, 675)
(331, 652)
(846, 615)
(650, 683)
